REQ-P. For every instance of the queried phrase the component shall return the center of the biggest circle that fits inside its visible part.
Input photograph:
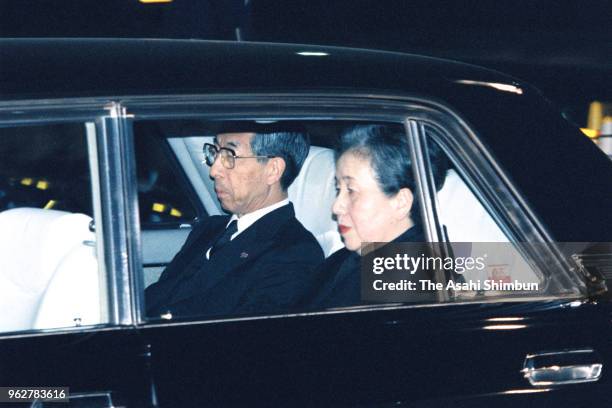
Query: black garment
(225, 237)
(265, 269)
(338, 279)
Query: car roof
(559, 172)
(38, 68)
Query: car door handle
(572, 366)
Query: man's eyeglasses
(227, 155)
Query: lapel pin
(244, 255)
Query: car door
(545, 347)
(63, 301)
(468, 355)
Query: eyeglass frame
(232, 153)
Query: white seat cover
(73, 295)
(465, 218)
(313, 193)
(33, 242)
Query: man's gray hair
(292, 147)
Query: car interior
(46, 215)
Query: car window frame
(494, 190)
(413, 112)
(103, 117)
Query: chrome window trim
(50, 111)
(94, 169)
(114, 189)
(422, 172)
(134, 241)
(426, 193)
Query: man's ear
(274, 170)
(403, 202)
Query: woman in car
(375, 202)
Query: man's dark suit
(265, 269)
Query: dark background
(563, 47)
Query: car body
(537, 175)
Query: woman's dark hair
(387, 149)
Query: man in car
(259, 258)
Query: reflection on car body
(96, 141)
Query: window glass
(49, 275)
(163, 197)
(45, 167)
(312, 262)
(482, 231)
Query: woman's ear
(403, 202)
(274, 170)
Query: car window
(311, 194)
(507, 262)
(45, 167)
(164, 197)
(479, 253)
(49, 270)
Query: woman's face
(364, 213)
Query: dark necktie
(224, 238)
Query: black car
(101, 180)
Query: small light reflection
(591, 133)
(505, 319)
(496, 85)
(526, 391)
(505, 327)
(312, 54)
(154, 1)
